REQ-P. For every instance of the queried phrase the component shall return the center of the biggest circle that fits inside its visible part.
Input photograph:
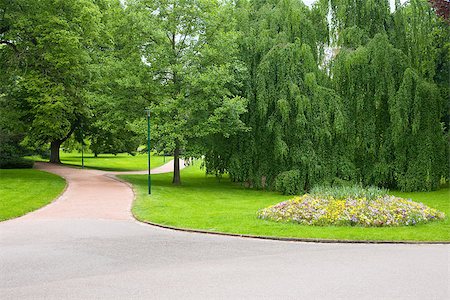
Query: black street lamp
(147, 110)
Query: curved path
(86, 245)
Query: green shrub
(16, 163)
(290, 182)
(344, 192)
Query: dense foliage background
(269, 91)
(346, 91)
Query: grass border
(263, 237)
(66, 186)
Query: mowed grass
(202, 202)
(111, 162)
(25, 190)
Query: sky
(309, 2)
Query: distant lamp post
(82, 147)
(82, 154)
(147, 110)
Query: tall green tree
(191, 56)
(368, 79)
(420, 146)
(49, 45)
(387, 81)
(295, 118)
(357, 21)
(119, 85)
(414, 32)
(349, 119)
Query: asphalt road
(103, 255)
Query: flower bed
(384, 210)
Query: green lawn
(201, 202)
(25, 190)
(111, 162)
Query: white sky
(309, 2)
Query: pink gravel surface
(91, 194)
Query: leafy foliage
(367, 79)
(48, 62)
(338, 121)
(294, 117)
(290, 182)
(368, 16)
(118, 87)
(419, 143)
(16, 163)
(350, 191)
(191, 57)
(345, 90)
(394, 106)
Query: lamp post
(82, 147)
(147, 110)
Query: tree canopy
(48, 60)
(338, 117)
(344, 90)
(190, 54)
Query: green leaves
(419, 142)
(260, 87)
(53, 40)
(398, 142)
(192, 58)
(290, 114)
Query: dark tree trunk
(55, 145)
(176, 165)
(54, 152)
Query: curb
(272, 238)
(288, 239)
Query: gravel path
(86, 245)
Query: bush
(344, 192)
(290, 182)
(16, 163)
(10, 148)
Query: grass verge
(25, 190)
(111, 162)
(203, 203)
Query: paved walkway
(86, 245)
(91, 194)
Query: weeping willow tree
(390, 86)
(368, 79)
(303, 120)
(425, 39)
(357, 21)
(373, 116)
(415, 31)
(420, 147)
(296, 121)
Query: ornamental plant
(350, 191)
(323, 209)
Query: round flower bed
(384, 210)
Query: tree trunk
(55, 145)
(54, 152)
(176, 165)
